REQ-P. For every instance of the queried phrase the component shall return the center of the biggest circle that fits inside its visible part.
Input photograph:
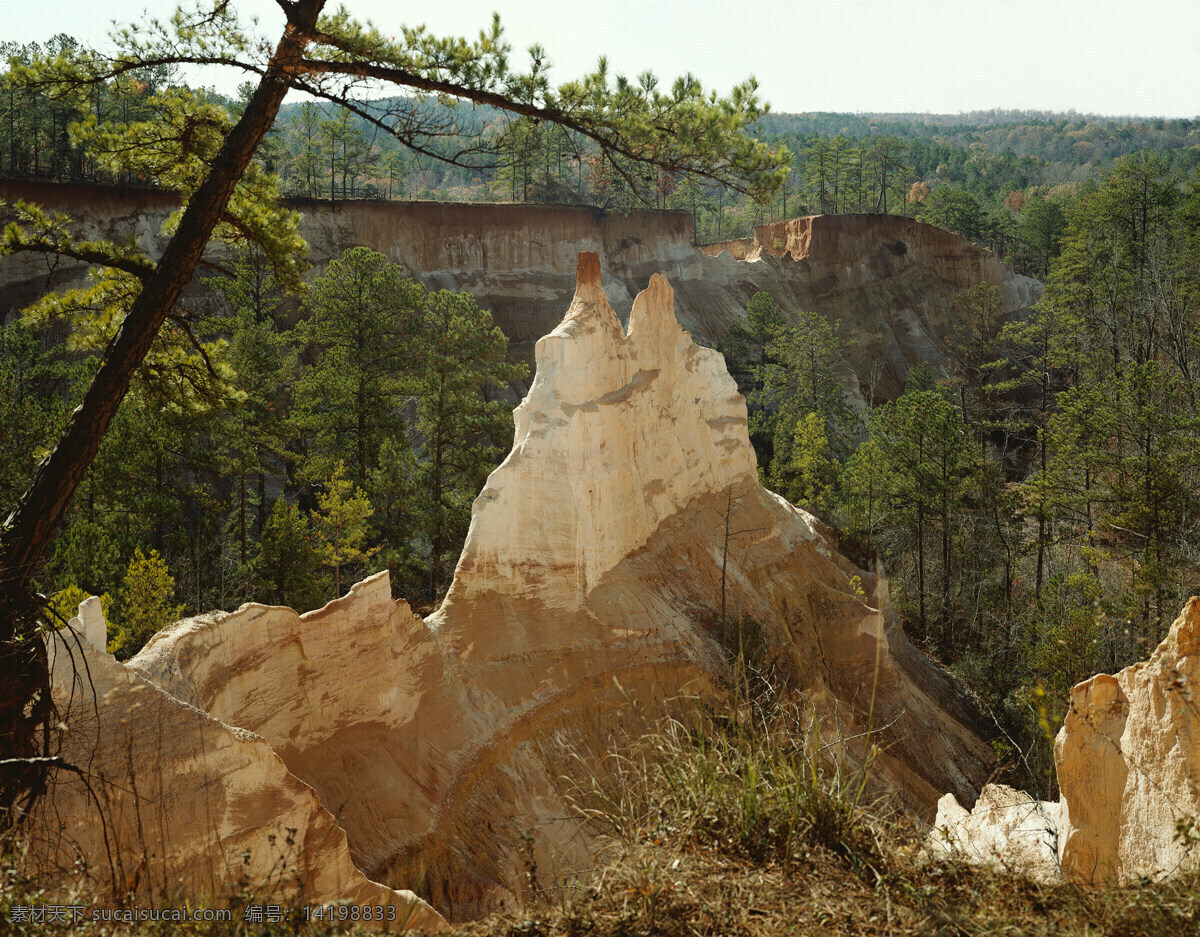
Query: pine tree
(362, 324)
(460, 426)
(340, 524)
(253, 436)
(394, 488)
(929, 457)
(812, 470)
(144, 605)
(865, 484)
(290, 563)
(795, 379)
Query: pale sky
(940, 56)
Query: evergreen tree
(290, 563)
(745, 349)
(33, 405)
(395, 491)
(254, 435)
(460, 427)
(865, 485)
(921, 435)
(340, 524)
(144, 605)
(796, 379)
(812, 470)
(362, 326)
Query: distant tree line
(1002, 178)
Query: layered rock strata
(1128, 762)
(170, 804)
(887, 282)
(591, 584)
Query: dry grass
(709, 892)
(751, 828)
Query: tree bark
(26, 709)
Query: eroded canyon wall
(169, 803)
(888, 282)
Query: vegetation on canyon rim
(1036, 506)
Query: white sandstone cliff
(171, 804)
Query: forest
(1036, 507)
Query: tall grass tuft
(762, 788)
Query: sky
(1112, 57)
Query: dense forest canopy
(1037, 505)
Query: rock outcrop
(171, 803)
(1006, 828)
(591, 582)
(1128, 762)
(889, 282)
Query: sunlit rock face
(1128, 762)
(1128, 759)
(1006, 828)
(590, 585)
(618, 433)
(172, 805)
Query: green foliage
(144, 604)
(929, 459)
(866, 485)
(394, 488)
(1042, 225)
(291, 561)
(953, 209)
(812, 469)
(171, 145)
(461, 428)
(362, 325)
(64, 605)
(786, 373)
(340, 525)
(33, 405)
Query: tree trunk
(242, 515)
(921, 565)
(260, 520)
(25, 702)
